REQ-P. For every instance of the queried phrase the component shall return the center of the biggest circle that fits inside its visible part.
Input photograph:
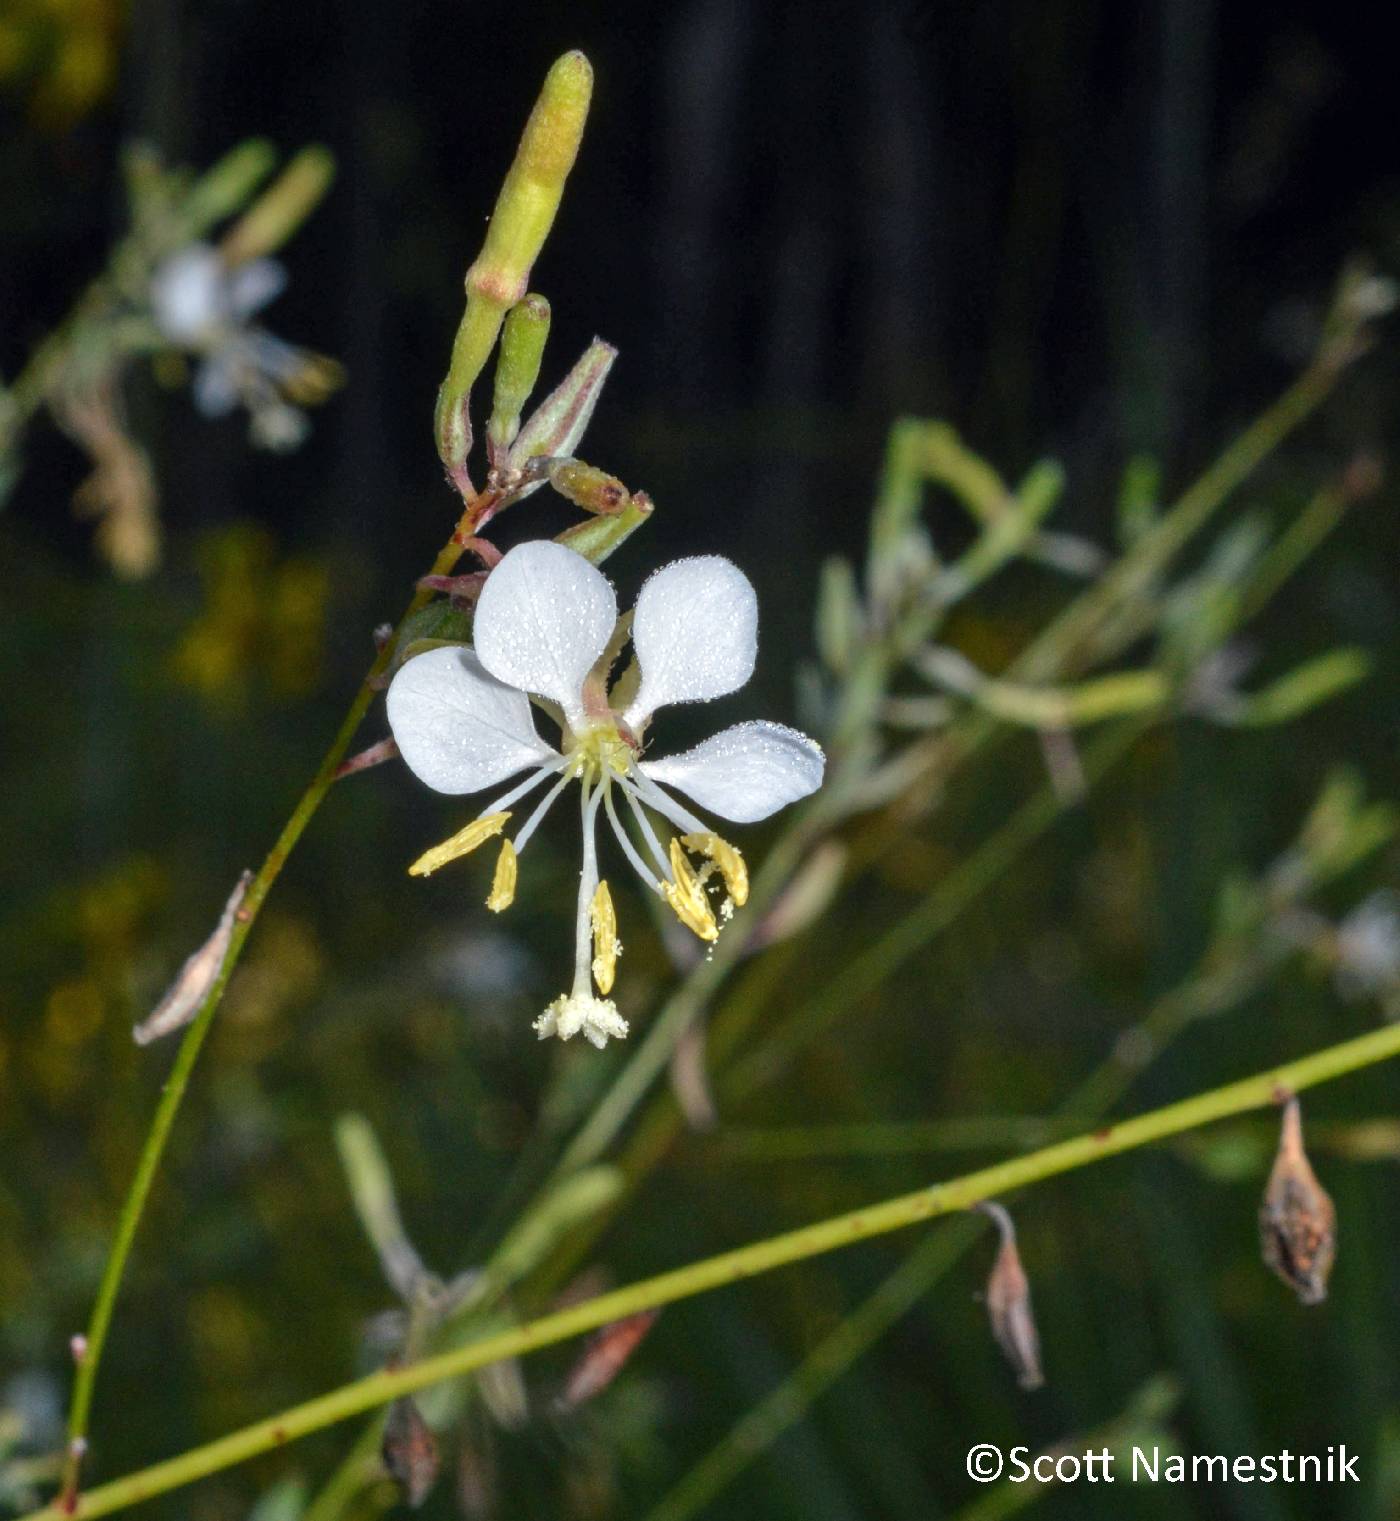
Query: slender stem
(864, 972)
(174, 1091)
(1257, 1092)
(1134, 574)
(761, 1425)
(916, 1275)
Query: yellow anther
(606, 947)
(462, 843)
(727, 858)
(687, 898)
(503, 883)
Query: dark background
(1076, 229)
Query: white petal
(189, 294)
(695, 632)
(544, 616)
(252, 285)
(458, 728)
(745, 773)
(216, 385)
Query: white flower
(196, 297)
(1368, 947)
(206, 307)
(547, 628)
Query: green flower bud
(281, 208)
(519, 225)
(517, 369)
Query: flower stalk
(379, 1389)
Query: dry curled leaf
(1297, 1219)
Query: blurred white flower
(546, 627)
(1368, 947)
(204, 306)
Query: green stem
(916, 1275)
(1132, 577)
(925, 1204)
(940, 908)
(1055, 647)
(760, 1426)
(174, 1090)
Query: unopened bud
(1297, 1220)
(597, 537)
(530, 195)
(78, 1346)
(588, 487)
(519, 225)
(605, 1356)
(517, 369)
(1008, 1296)
(281, 208)
(219, 192)
(558, 423)
(410, 1452)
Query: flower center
(600, 750)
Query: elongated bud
(221, 190)
(519, 225)
(597, 537)
(372, 1193)
(517, 369)
(410, 1452)
(605, 1356)
(281, 208)
(532, 190)
(1009, 1304)
(1297, 1220)
(839, 615)
(588, 487)
(559, 422)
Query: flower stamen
(687, 897)
(462, 843)
(726, 858)
(606, 946)
(503, 883)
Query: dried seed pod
(1297, 1220)
(410, 1451)
(191, 987)
(604, 1356)
(1008, 1295)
